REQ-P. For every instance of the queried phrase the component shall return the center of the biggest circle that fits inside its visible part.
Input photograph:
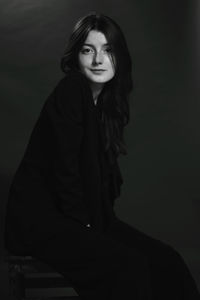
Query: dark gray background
(161, 193)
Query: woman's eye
(86, 50)
(108, 49)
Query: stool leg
(16, 282)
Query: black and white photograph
(100, 150)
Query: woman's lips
(97, 71)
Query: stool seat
(30, 278)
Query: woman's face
(94, 58)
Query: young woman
(61, 201)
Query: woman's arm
(67, 121)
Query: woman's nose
(98, 58)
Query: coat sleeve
(66, 119)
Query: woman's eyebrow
(87, 44)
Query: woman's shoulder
(68, 95)
(73, 81)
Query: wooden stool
(32, 279)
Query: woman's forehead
(96, 37)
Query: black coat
(64, 171)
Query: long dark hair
(114, 96)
